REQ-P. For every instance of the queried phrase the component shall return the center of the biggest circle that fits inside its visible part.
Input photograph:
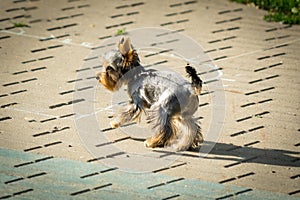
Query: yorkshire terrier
(167, 99)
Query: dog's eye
(109, 68)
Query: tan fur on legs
(130, 113)
(186, 134)
(155, 141)
(198, 140)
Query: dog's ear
(125, 45)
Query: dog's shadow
(243, 154)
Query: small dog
(168, 100)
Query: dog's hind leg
(161, 121)
(162, 135)
(188, 134)
(161, 117)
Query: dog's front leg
(129, 113)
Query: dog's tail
(196, 81)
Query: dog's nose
(97, 77)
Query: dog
(167, 99)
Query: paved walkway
(54, 118)
(33, 176)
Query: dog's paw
(198, 140)
(148, 143)
(114, 124)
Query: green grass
(19, 24)
(285, 11)
(121, 31)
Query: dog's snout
(97, 77)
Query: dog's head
(116, 63)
